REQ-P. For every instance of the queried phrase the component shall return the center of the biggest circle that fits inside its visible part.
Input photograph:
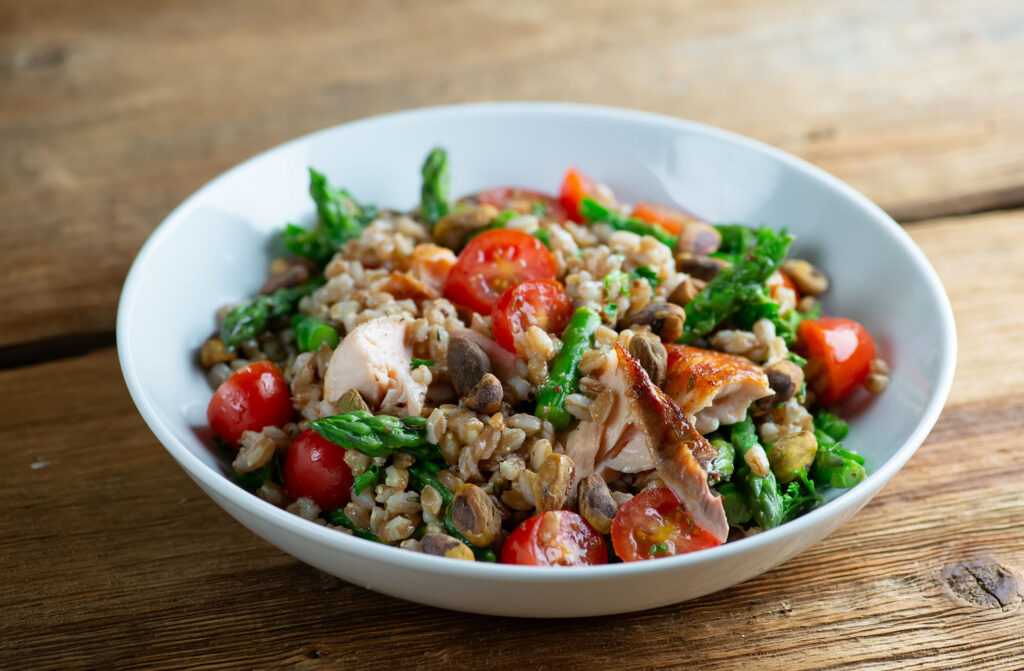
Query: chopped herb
(616, 283)
(540, 208)
(693, 381)
(797, 359)
(610, 310)
(256, 479)
(649, 274)
(416, 363)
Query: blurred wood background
(112, 112)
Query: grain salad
(535, 379)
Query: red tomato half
(670, 219)
(315, 467)
(252, 398)
(493, 262)
(843, 350)
(542, 303)
(555, 538)
(524, 201)
(654, 524)
(575, 187)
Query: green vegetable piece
(761, 492)
(249, 319)
(416, 363)
(340, 218)
(735, 285)
(593, 211)
(737, 240)
(377, 435)
(836, 427)
(723, 463)
(649, 274)
(800, 496)
(340, 519)
(616, 280)
(311, 332)
(368, 478)
(544, 235)
(736, 509)
(564, 378)
(435, 194)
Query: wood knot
(982, 583)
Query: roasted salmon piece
(713, 388)
(375, 360)
(645, 429)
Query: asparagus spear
(735, 285)
(594, 211)
(435, 193)
(311, 332)
(735, 503)
(377, 435)
(723, 463)
(564, 378)
(250, 318)
(762, 492)
(834, 465)
(340, 219)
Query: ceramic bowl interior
(215, 248)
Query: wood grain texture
(113, 557)
(112, 111)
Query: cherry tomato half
(842, 350)
(555, 538)
(542, 303)
(252, 398)
(670, 219)
(523, 201)
(315, 467)
(654, 524)
(493, 262)
(575, 187)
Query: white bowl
(214, 249)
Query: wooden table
(111, 112)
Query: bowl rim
(397, 557)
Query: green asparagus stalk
(377, 435)
(249, 319)
(435, 194)
(311, 332)
(762, 492)
(723, 464)
(734, 286)
(340, 218)
(594, 211)
(737, 511)
(564, 378)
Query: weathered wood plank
(113, 557)
(113, 111)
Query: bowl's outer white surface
(214, 249)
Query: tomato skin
(493, 262)
(575, 187)
(575, 542)
(542, 303)
(844, 349)
(652, 517)
(315, 467)
(523, 201)
(252, 398)
(670, 219)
